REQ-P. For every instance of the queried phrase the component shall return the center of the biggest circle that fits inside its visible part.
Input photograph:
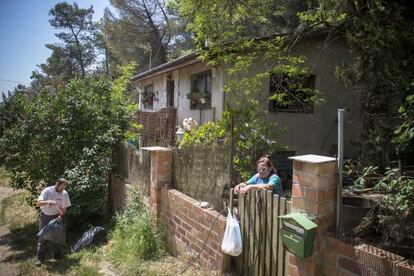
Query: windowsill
(200, 108)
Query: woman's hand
(245, 189)
(239, 187)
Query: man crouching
(53, 202)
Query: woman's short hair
(265, 159)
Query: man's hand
(51, 203)
(59, 218)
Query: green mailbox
(298, 234)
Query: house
(309, 128)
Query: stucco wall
(182, 86)
(317, 132)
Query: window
(200, 95)
(292, 94)
(148, 97)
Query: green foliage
(75, 53)
(252, 137)
(208, 133)
(70, 132)
(400, 192)
(404, 133)
(135, 237)
(148, 32)
(226, 33)
(363, 178)
(380, 34)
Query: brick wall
(343, 258)
(190, 228)
(313, 193)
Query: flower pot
(353, 210)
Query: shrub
(69, 131)
(135, 236)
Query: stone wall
(132, 168)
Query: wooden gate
(263, 253)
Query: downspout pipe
(340, 165)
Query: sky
(24, 31)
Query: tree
(76, 53)
(242, 34)
(68, 132)
(145, 31)
(380, 37)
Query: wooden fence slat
(246, 234)
(263, 234)
(268, 241)
(240, 208)
(263, 252)
(275, 234)
(259, 241)
(281, 255)
(256, 250)
(252, 231)
(288, 205)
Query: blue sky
(24, 31)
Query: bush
(135, 236)
(67, 131)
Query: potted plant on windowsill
(198, 99)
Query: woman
(265, 179)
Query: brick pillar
(313, 193)
(161, 174)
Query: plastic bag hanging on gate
(232, 240)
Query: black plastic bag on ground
(54, 231)
(94, 235)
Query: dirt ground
(8, 266)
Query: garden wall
(344, 258)
(314, 193)
(203, 172)
(192, 230)
(132, 167)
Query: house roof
(179, 62)
(192, 58)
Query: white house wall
(305, 133)
(159, 91)
(182, 86)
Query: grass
(22, 220)
(4, 177)
(133, 248)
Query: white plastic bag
(232, 240)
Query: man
(53, 202)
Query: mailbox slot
(293, 228)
